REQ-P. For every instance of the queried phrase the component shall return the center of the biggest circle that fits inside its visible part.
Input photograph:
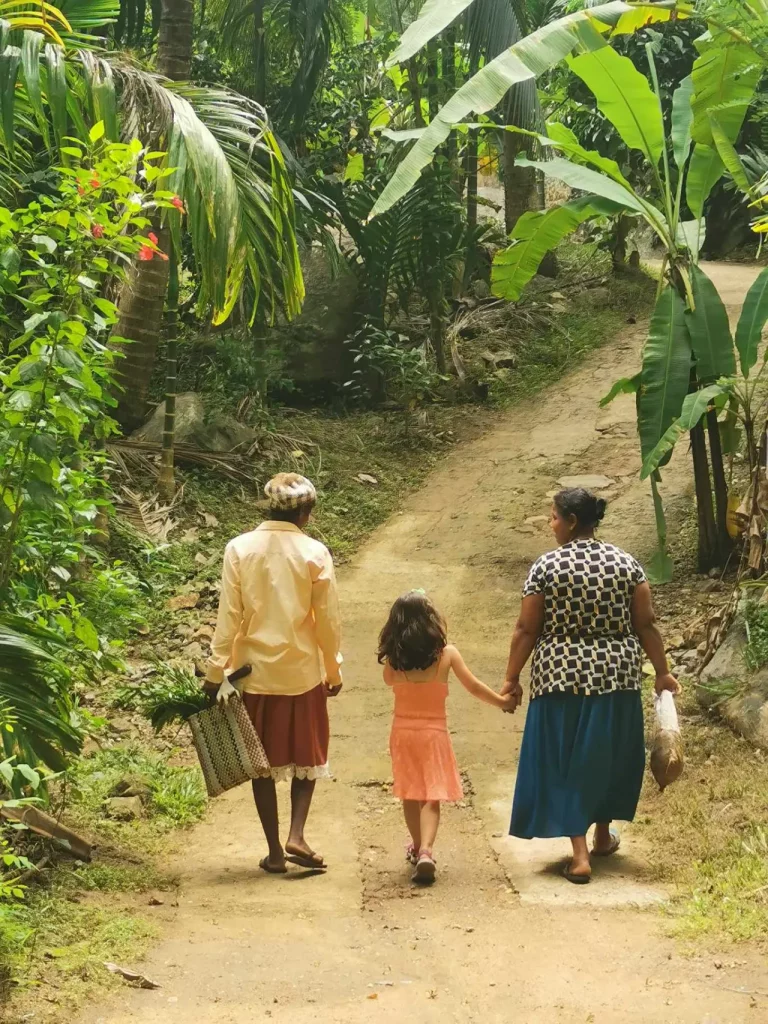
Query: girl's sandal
(411, 854)
(425, 868)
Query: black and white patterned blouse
(587, 644)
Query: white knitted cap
(289, 490)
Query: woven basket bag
(228, 746)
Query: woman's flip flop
(576, 879)
(270, 868)
(310, 860)
(615, 844)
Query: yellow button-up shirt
(278, 612)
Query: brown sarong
(294, 731)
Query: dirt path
(497, 939)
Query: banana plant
(521, 63)
(689, 342)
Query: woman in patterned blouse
(587, 615)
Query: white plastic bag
(667, 751)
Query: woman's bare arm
(644, 624)
(471, 683)
(527, 631)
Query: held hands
(512, 691)
(668, 682)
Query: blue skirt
(582, 761)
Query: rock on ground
(746, 709)
(216, 433)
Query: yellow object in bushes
(734, 529)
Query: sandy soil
(500, 937)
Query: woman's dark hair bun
(588, 509)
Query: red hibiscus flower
(80, 190)
(178, 203)
(146, 253)
(97, 231)
(95, 183)
(152, 237)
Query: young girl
(417, 661)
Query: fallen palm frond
(146, 515)
(140, 457)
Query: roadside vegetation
(242, 237)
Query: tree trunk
(449, 88)
(470, 169)
(141, 315)
(260, 53)
(433, 79)
(174, 43)
(415, 90)
(519, 182)
(437, 331)
(166, 479)
(708, 546)
(725, 544)
(143, 296)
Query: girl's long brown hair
(414, 635)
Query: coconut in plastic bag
(667, 750)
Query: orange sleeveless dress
(423, 763)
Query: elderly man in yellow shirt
(279, 613)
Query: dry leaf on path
(131, 976)
(210, 520)
(366, 478)
(175, 604)
(190, 536)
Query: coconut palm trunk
(143, 297)
(166, 479)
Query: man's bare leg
(265, 795)
(297, 848)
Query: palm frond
(86, 15)
(146, 515)
(261, 212)
(172, 698)
(30, 668)
(228, 167)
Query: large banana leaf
(727, 153)
(694, 407)
(682, 121)
(709, 330)
(563, 138)
(665, 374)
(624, 96)
(749, 330)
(691, 234)
(522, 62)
(434, 16)
(704, 171)
(437, 15)
(536, 234)
(588, 180)
(725, 76)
